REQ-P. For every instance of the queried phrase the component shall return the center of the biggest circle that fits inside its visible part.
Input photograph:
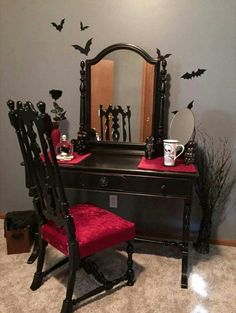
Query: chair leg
(130, 271)
(38, 276)
(67, 306)
(73, 260)
(35, 251)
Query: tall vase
(56, 134)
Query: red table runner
(77, 158)
(157, 164)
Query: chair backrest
(110, 123)
(33, 128)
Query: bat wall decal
(59, 27)
(162, 57)
(198, 73)
(82, 27)
(190, 105)
(86, 49)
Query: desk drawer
(106, 182)
(135, 184)
(161, 186)
(94, 181)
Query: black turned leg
(73, 259)
(130, 271)
(35, 251)
(38, 276)
(185, 240)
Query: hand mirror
(182, 126)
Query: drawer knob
(103, 182)
(163, 189)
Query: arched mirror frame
(158, 96)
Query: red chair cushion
(96, 230)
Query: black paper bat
(82, 27)
(162, 57)
(59, 26)
(86, 49)
(198, 73)
(189, 106)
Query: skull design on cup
(170, 148)
(169, 152)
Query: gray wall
(35, 58)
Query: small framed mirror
(122, 96)
(182, 126)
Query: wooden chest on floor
(18, 240)
(18, 231)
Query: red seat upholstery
(96, 229)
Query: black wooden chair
(78, 231)
(110, 126)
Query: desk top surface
(121, 163)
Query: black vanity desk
(119, 173)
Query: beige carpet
(212, 283)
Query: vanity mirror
(182, 126)
(122, 78)
(117, 80)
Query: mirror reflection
(182, 126)
(122, 81)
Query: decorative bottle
(64, 149)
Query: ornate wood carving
(82, 97)
(160, 129)
(190, 152)
(150, 152)
(33, 130)
(81, 143)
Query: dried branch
(214, 165)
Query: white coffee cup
(170, 151)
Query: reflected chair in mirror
(79, 231)
(115, 121)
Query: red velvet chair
(78, 231)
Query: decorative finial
(11, 104)
(19, 105)
(41, 106)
